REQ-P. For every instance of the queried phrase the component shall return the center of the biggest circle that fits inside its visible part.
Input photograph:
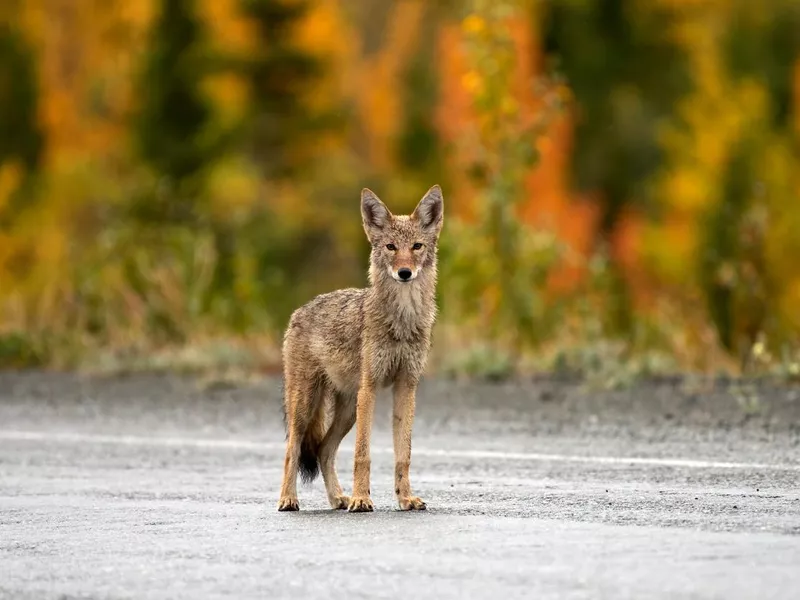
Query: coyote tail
(309, 447)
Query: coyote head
(403, 246)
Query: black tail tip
(309, 464)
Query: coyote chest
(388, 360)
(387, 357)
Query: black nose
(404, 274)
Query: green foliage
(21, 138)
(481, 361)
(172, 122)
(721, 274)
(20, 135)
(418, 148)
(20, 351)
(496, 265)
(764, 45)
(759, 51)
(280, 266)
(280, 123)
(610, 364)
(626, 74)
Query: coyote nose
(404, 274)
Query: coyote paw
(362, 504)
(411, 503)
(288, 503)
(339, 502)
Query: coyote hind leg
(344, 417)
(299, 403)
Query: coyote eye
(417, 246)
(391, 247)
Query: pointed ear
(373, 212)
(430, 210)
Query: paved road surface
(151, 488)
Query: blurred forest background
(621, 177)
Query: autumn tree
(760, 48)
(626, 74)
(418, 143)
(280, 75)
(21, 139)
(172, 122)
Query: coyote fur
(342, 347)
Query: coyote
(341, 347)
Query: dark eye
(391, 247)
(417, 246)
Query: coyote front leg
(365, 407)
(405, 391)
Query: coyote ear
(430, 210)
(373, 212)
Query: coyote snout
(405, 274)
(342, 347)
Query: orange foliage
(327, 34)
(230, 34)
(550, 203)
(377, 82)
(454, 110)
(88, 55)
(229, 30)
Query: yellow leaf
(473, 24)
(10, 178)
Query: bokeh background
(620, 176)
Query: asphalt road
(150, 487)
